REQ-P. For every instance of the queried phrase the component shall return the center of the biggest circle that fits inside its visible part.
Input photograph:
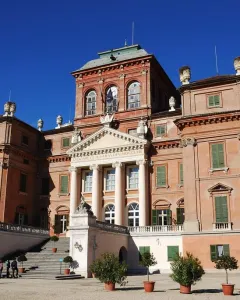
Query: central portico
(109, 169)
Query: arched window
(111, 100)
(91, 103)
(133, 214)
(110, 214)
(133, 95)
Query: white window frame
(135, 212)
(106, 170)
(128, 177)
(84, 181)
(109, 218)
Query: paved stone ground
(92, 289)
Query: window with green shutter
(180, 215)
(23, 183)
(221, 209)
(161, 176)
(217, 251)
(218, 156)
(173, 251)
(213, 100)
(65, 142)
(142, 250)
(161, 130)
(64, 184)
(154, 217)
(181, 174)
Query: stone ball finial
(172, 103)
(237, 65)
(185, 75)
(59, 120)
(40, 124)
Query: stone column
(119, 201)
(95, 191)
(142, 193)
(191, 222)
(73, 190)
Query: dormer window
(91, 103)
(111, 100)
(214, 100)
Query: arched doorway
(123, 254)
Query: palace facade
(142, 153)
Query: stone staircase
(44, 263)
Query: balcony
(222, 226)
(156, 229)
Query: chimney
(185, 75)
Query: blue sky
(41, 42)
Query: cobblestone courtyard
(89, 289)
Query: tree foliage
(108, 269)
(186, 270)
(148, 260)
(68, 260)
(226, 263)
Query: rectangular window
(64, 184)
(45, 186)
(161, 176)
(181, 174)
(217, 251)
(65, 142)
(161, 217)
(214, 100)
(173, 251)
(88, 182)
(221, 209)
(142, 250)
(180, 215)
(110, 180)
(133, 178)
(161, 130)
(218, 156)
(25, 140)
(23, 183)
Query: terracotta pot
(93, 275)
(109, 286)
(228, 289)
(185, 289)
(149, 286)
(66, 271)
(54, 250)
(21, 270)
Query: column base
(191, 226)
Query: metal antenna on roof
(132, 33)
(216, 60)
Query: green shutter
(216, 100)
(142, 250)
(161, 130)
(226, 250)
(154, 217)
(64, 184)
(161, 176)
(213, 251)
(57, 225)
(65, 142)
(211, 101)
(217, 156)
(181, 174)
(172, 252)
(221, 209)
(169, 217)
(180, 215)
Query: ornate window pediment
(161, 204)
(219, 187)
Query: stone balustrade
(222, 226)
(111, 227)
(23, 229)
(156, 229)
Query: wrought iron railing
(23, 229)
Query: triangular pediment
(219, 187)
(106, 139)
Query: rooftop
(115, 55)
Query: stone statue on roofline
(76, 137)
(142, 128)
(84, 208)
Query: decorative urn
(185, 75)
(237, 65)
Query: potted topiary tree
(226, 262)
(147, 260)
(21, 258)
(67, 260)
(109, 270)
(186, 271)
(54, 239)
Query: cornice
(213, 118)
(167, 144)
(58, 158)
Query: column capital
(94, 167)
(188, 141)
(141, 162)
(117, 164)
(73, 169)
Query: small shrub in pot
(148, 260)
(54, 239)
(21, 258)
(67, 260)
